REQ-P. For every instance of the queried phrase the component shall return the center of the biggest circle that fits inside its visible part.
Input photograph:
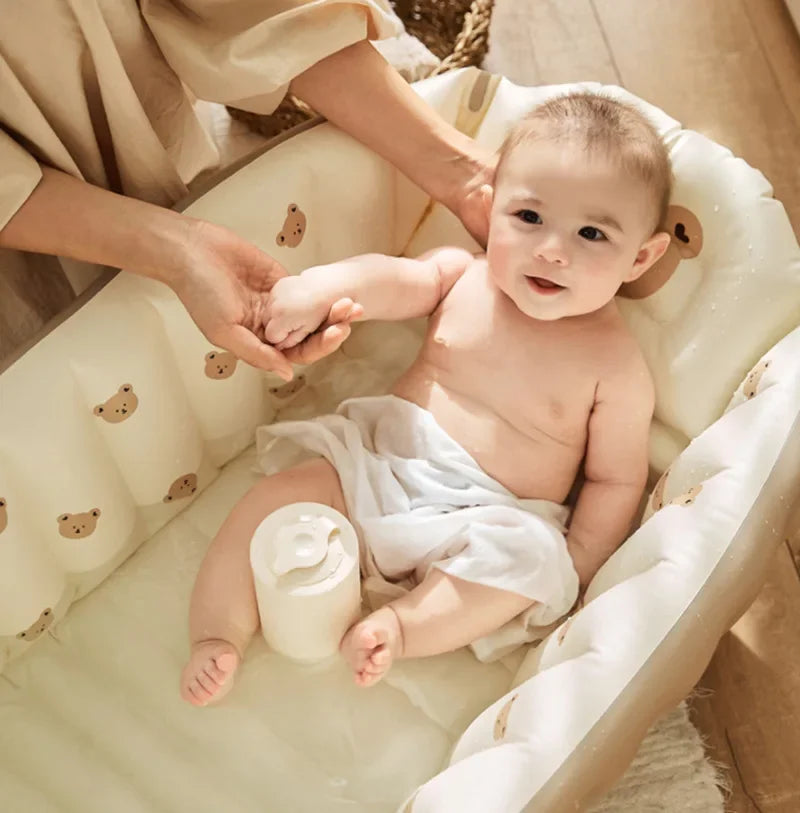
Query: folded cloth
(418, 500)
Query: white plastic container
(305, 566)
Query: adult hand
(357, 90)
(225, 282)
(298, 307)
(329, 336)
(468, 199)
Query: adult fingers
(343, 310)
(246, 346)
(319, 345)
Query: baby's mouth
(544, 286)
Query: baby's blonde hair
(598, 122)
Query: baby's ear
(650, 253)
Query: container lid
(306, 550)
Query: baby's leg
(439, 615)
(223, 614)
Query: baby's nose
(552, 250)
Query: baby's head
(581, 189)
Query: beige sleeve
(245, 52)
(19, 175)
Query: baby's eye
(591, 233)
(528, 216)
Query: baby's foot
(370, 646)
(208, 676)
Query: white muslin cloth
(418, 500)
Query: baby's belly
(528, 463)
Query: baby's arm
(383, 287)
(615, 467)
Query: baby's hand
(297, 308)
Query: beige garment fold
(98, 88)
(230, 51)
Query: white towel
(418, 500)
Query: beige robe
(104, 90)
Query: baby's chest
(504, 363)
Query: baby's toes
(195, 693)
(380, 658)
(370, 675)
(209, 673)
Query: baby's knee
(311, 481)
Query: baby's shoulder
(621, 364)
(451, 263)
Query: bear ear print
(22, 635)
(292, 208)
(211, 355)
(63, 518)
(685, 231)
(2, 503)
(280, 239)
(126, 388)
(168, 498)
(95, 512)
(46, 613)
(686, 242)
(98, 410)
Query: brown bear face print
(3, 515)
(184, 486)
(118, 407)
(77, 526)
(38, 626)
(754, 378)
(288, 389)
(294, 227)
(220, 364)
(688, 498)
(686, 241)
(501, 723)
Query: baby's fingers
(294, 337)
(318, 345)
(275, 331)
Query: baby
(458, 478)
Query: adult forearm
(71, 218)
(600, 523)
(382, 111)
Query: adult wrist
(166, 247)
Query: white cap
(300, 543)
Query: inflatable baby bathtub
(125, 439)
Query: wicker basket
(456, 31)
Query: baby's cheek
(500, 253)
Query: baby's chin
(562, 305)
